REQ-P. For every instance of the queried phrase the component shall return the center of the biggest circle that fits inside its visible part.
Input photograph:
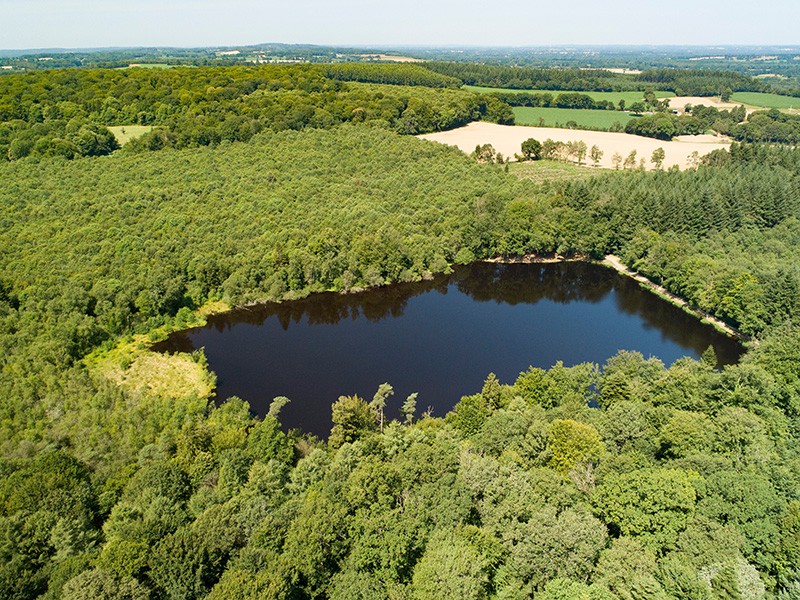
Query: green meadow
(559, 117)
(125, 133)
(766, 100)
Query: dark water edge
(440, 338)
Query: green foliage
(627, 568)
(550, 547)
(315, 542)
(397, 74)
(694, 82)
(206, 106)
(266, 442)
(651, 504)
(681, 483)
(101, 585)
(572, 444)
(566, 589)
(451, 568)
(192, 576)
(48, 514)
(532, 149)
(768, 126)
(558, 385)
(352, 418)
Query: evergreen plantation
(683, 482)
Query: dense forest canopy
(47, 113)
(681, 81)
(121, 477)
(63, 112)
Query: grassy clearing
(559, 117)
(145, 374)
(615, 97)
(761, 100)
(126, 133)
(541, 171)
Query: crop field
(507, 139)
(766, 100)
(615, 97)
(559, 117)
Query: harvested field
(508, 140)
(679, 102)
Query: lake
(440, 338)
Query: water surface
(440, 338)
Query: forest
(627, 480)
(761, 126)
(48, 113)
(683, 82)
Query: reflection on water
(440, 337)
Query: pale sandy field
(508, 139)
(391, 58)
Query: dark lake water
(440, 338)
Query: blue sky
(93, 23)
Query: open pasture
(766, 100)
(559, 117)
(126, 133)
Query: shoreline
(614, 262)
(609, 261)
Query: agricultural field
(508, 139)
(615, 97)
(766, 100)
(559, 117)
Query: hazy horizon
(89, 24)
(392, 47)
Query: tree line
(771, 126)
(684, 82)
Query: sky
(192, 23)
